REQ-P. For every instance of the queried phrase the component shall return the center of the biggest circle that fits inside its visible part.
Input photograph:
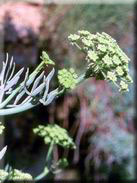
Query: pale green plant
(105, 61)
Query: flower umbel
(3, 175)
(46, 59)
(67, 78)
(19, 175)
(123, 85)
(106, 61)
(53, 133)
(74, 37)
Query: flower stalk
(48, 157)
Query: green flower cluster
(3, 175)
(53, 133)
(46, 59)
(106, 61)
(19, 175)
(67, 78)
(14, 175)
(1, 128)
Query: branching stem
(14, 92)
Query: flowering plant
(105, 61)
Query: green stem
(61, 92)
(49, 151)
(43, 174)
(46, 169)
(39, 67)
(81, 78)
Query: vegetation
(104, 60)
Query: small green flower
(67, 78)
(73, 37)
(129, 79)
(119, 70)
(19, 175)
(102, 48)
(123, 86)
(107, 60)
(124, 57)
(87, 42)
(111, 76)
(92, 55)
(125, 67)
(53, 133)
(1, 128)
(101, 39)
(116, 60)
(47, 140)
(111, 49)
(46, 59)
(3, 175)
(83, 32)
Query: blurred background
(96, 115)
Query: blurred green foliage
(96, 17)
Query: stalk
(46, 169)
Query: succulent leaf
(2, 152)
(22, 99)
